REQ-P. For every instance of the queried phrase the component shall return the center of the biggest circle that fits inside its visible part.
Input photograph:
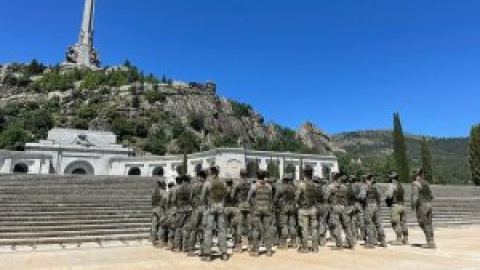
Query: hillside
(152, 115)
(376, 146)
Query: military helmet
(261, 174)
(316, 179)
(393, 175)
(171, 184)
(288, 177)
(243, 172)
(202, 174)
(179, 179)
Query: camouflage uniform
(261, 195)
(337, 192)
(231, 211)
(284, 198)
(322, 211)
(170, 217)
(158, 213)
(239, 194)
(214, 191)
(422, 202)
(358, 213)
(182, 198)
(196, 221)
(307, 215)
(373, 216)
(395, 198)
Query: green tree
(188, 142)
(427, 163)
(474, 154)
(14, 137)
(156, 143)
(400, 150)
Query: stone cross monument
(83, 53)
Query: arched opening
(79, 171)
(291, 169)
(79, 168)
(158, 171)
(272, 169)
(308, 171)
(20, 168)
(134, 171)
(198, 168)
(252, 169)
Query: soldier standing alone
(395, 198)
(422, 199)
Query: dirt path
(459, 248)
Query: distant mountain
(450, 155)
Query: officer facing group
(267, 212)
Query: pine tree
(474, 155)
(400, 150)
(427, 160)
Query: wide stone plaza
(458, 248)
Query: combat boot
(315, 246)
(337, 247)
(191, 253)
(323, 241)
(283, 243)
(238, 248)
(254, 253)
(269, 253)
(431, 244)
(398, 242)
(293, 242)
(207, 258)
(383, 243)
(405, 238)
(225, 257)
(369, 246)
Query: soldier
(284, 199)
(199, 207)
(322, 209)
(239, 195)
(231, 211)
(261, 194)
(358, 215)
(373, 217)
(170, 219)
(214, 192)
(422, 198)
(395, 198)
(307, 212)
(337, 194)
(158, 213)
(182, 199)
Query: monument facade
(86, 152)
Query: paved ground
(459, 248)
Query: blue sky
(341, 64)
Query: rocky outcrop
(315, 138)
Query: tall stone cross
(83, 53)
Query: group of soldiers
(284, 213)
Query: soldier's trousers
(156, 224)
(307, 219)
(339, 220)
(244, 223)
(232, 225)
(263, 227)
(182, 230)
(373, 224)
(322, 221)
(215, 219)
(197, 226)
(287, 221)
(424, 217)
(358, 222)
(398, 218)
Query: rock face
(88, 99)
(315, 138)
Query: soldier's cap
(368, 176)
(393, 175)
(186, 178)
(202, 174)
(214, 169)
(344, 178)
(419, 172)
(288, 176)
(229, 180)
(335, 175)
(171, 184)
(179, 179)
(243, 172)
(308, 169)
(316, 179)
(353, 178)
(262, 174)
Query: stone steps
(93, 232)
(72, 227)
(73, 217)
(72, 240)
(47, 223)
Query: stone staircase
(59, 210)
(47, 209)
